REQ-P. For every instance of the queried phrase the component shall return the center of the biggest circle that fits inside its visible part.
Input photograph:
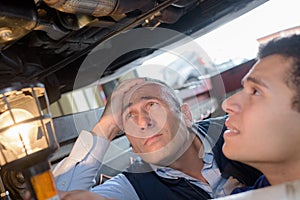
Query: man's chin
(161, 157)
(167, 154)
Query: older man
(185, 159)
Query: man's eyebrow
(149, 98)
(255, 80)
(142, 98)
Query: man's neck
(280, 173)
(190, 163)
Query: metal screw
(6, 34)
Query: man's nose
(232, 105)
(144, 120)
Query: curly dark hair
(288, 47)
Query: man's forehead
(144, 88)
(148, 90)
(269, 70)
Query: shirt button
(63, 183)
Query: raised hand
(110, 123)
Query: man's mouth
(152, 139)
(231, 130)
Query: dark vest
(149, 186)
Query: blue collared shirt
(261, 182)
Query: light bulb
(16, 140)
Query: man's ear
(187, 115)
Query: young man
(182, 162)
(264, 117)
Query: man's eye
(129, 115)
(151, 104)
(255, 91)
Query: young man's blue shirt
(261, 182)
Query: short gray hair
(168, 90)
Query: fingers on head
(127, 84)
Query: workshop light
(27, 137)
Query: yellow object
(44, 187)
